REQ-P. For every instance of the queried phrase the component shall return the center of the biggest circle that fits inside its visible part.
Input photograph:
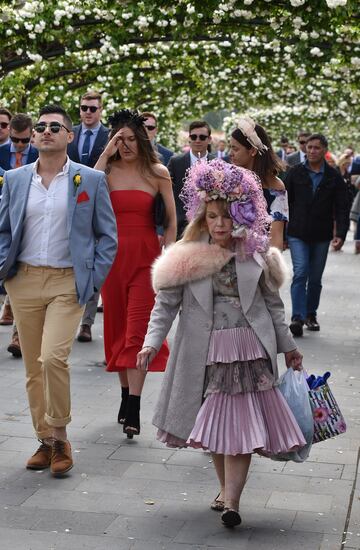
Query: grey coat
(182, 389)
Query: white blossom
(336, 3)
(316, 52)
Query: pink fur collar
(184, 262)
(190, 261)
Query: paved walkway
(139, 495)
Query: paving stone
(300, 501)
(267, 539)
(16, 539)
(319, 522)
(213, 533)
(148, 529)
(332, 542)
(13, 496)
(140, 454)
(316, 469)
(79, 523)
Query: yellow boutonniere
(77, 181)
(1, 180)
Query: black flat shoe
(230, 517)
(123, 405)
(132, 419)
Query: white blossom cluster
(181, 59)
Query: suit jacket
(5, 156)
(355, 168)
(91, 226)
(98, 147)
(164, 153)
(181, 394)
(312, 215)
(293, 159)
(177, 167)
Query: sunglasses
(55, 127)
(4, 125)
(302, 142)
(90, 108)
(201, 137)
(18, 140)
(150, 127)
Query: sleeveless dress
(242, 411)
(277, 204)
(127, 293)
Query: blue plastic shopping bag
(295, 390)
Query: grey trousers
(88, 317)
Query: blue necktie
(86, 148)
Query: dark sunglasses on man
(54, 127)
(91, 108)
(302, 141)
(150, 127)
(201, 137)
(20, 140)
(4, 125)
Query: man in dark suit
(91, 136)
(5, 117)
(300, 155)
(281, 153)
(199, 141)
(151, 126)
(317, 197)
(221, 152)
(19, 151)
(90, 139)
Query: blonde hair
(343, 159)
(198, 224)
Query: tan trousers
(47, 314)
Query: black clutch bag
(160, 211)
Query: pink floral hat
(241, 188)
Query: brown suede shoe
(7, 317)
(41, 459)
(61, 458)
(14, 346)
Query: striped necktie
(18, 159)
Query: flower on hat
(241, 188)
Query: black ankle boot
(123, 405)
(132, 420)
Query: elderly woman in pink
(219, 388)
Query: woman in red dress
(135, 176)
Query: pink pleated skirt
(245, 423)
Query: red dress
(127, 293)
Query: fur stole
(183, 262)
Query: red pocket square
(82, 197)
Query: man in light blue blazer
(58, 240)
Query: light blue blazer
(91, 226)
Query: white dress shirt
(194, 159)
(45, 240)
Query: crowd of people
(79, 217)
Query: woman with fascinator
(250, 147)
(135, 176)
(219, 390)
